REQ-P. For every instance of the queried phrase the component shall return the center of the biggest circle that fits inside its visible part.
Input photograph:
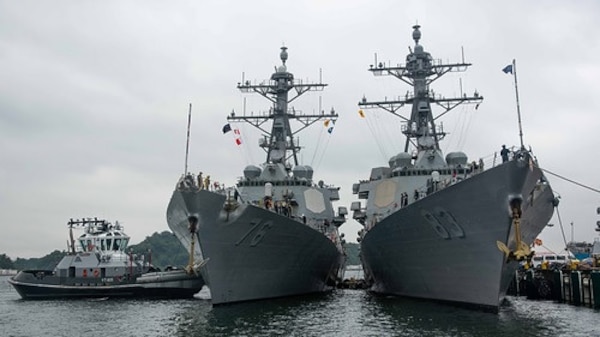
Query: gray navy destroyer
(440, 228)
(275, 233)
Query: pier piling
(575, 287)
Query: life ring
(96, 273)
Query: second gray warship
(446, 228)
(275, 233)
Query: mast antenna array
(279, 142)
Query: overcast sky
(94, 98)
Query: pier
(575, 287)
(354, 278)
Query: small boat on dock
(98, 266)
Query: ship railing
(458, 174)
(186, 182)
(115, 257)
(285, 182)
(462, 173)
(514, 152)
(450, 177)
(192, 182)
(320, 225)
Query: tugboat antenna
(187, 143)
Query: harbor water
(344, 312)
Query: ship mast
(514, 72)
(419, 72)
(187, 142)
(279, 143)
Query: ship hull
(203, 204)
(252, 253)
(169, 284)
(409, 254)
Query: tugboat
(98, 265)
(275, 233)
(430, 220)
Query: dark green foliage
(6, 262)
(165, 247)
(47, 262)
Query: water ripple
(341, 313)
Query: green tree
(165, 248)
(6, 262)
(47, 262)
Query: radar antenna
(279, 143)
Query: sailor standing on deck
(504, 153)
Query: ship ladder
(522, 252)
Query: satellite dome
(416, 33)
(299, 171)
(456, 158)
(402, 159)
(283, 55)
(251, 171)
(309, 172)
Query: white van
(560, 259)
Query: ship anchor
(522, 252)
(192, 227)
